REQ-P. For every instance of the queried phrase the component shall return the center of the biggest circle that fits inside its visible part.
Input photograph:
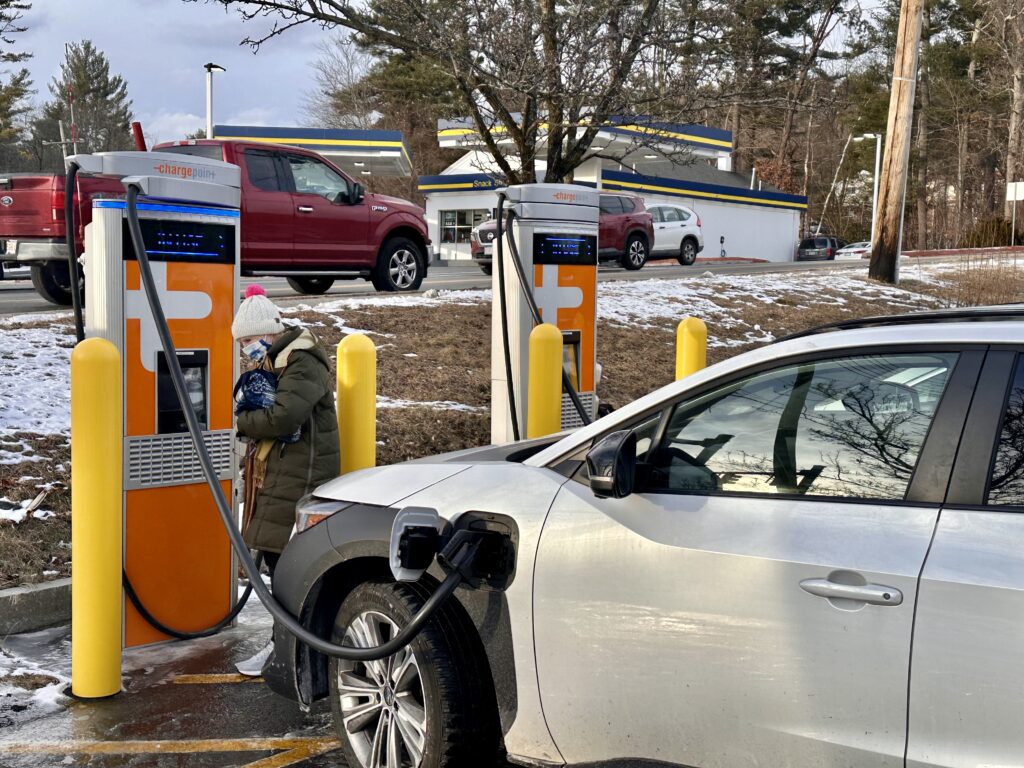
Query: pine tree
(103, 111)
(15, 85)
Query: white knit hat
(257, 315)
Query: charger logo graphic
(178, 305)
(184, 171)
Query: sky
(160, 47)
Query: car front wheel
(399, 266)
(424, 707)
(636, 253)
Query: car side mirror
(612, 465)
(357, 193)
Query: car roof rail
(950, 315)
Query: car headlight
(490, 237)
(312, 510)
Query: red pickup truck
(302, 219)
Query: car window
(808, 243)
(672, 214)
(655, 213)
(1006, 478)
(628, 204)
(610, 204)
(315, 178)
(262, 170)
(850, 428)
(821, 242)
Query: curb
(34, 607)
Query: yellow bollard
(357, 402)
(96, 601)
(691, 346)
(544, 393)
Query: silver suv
(806, 555)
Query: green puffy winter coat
(305, 399)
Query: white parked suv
(677, 232)
(808, 555)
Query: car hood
(395, 203)
(387, 486)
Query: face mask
(257, 350)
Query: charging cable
(460, 562)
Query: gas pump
(177, 556)
(551, 248)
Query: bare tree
(538, 79)
(342, 97)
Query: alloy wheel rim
(636, 252)
(688, 251)
(382, 702)
(402, 268)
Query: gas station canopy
(358, 153)
(619, 135)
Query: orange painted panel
(178, 558)
(211, 332)
(582, 318)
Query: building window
(456, 225)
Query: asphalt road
(18, 297)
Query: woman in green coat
(286, 468)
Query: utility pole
(888, 240)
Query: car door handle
(661, 226)
(875, 594)
(305, 209)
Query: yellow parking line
(294, 756)
(214, 679)
(167, 746)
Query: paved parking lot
(182, 706)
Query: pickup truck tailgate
(27, 206)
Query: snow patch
(437, 405)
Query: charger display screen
(175, 240)
(552, 248)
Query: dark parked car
(820, 248)
(625, 233)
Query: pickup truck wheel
(636, 253)
(687, 252)
(311, 286)
(51, 281)
(399, 266)
(426, 706)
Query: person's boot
(253, 666)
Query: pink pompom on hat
(257, 315)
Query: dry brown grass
(443, 353)
(36, 545)
(976, 280)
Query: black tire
(636, 253)
(486, 269)
(687, 252)
(311, 286)
(400, 266)
(452, 688)
(51, 281)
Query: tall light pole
(878, 165)
(210, 68)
